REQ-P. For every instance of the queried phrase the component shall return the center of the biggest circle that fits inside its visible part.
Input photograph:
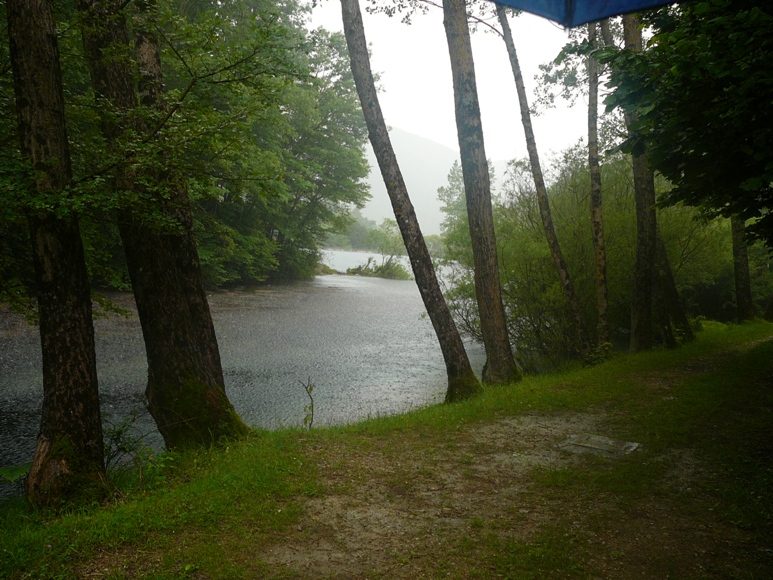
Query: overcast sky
(417, 92)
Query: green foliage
(259, 123)
(702, 94)
(14, 473)
(355, 236)
(122, 444)
(387, 241)
(389, 268)
(539, 322)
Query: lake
(365, 343)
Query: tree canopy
(702, 91)
(259, 120)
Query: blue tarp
(576, 12)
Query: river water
(365, 344)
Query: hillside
(425, 166)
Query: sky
(417, 93)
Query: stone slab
(597, 445)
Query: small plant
(308, 419)
(390, 269)
(121, 443)
(15, 474)
(598, 355)
(125, 454)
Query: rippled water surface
(362, 342)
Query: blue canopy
(576, 12)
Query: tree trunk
(743, 287)
(500, 366)
(646, 226)
(670, 294)
(768, 315)
(661, 312)
(597, 221)
(542, 193)
(68, 465)
(462, 383)
(606, 33)
(185, 391)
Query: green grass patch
(550, 554)
(255, 483)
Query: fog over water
(364, 343)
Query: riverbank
(363, 342)
(473, 490)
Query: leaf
(14, 472)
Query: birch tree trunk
(185, 391)
(68, 465)
(743, 288)
(500, 366)
(597, 218)
(542, 193)
(462, 382)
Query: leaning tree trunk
(185, 391)
(597, 220)
(743, 287)
(542, 192)
(646, 227)
(500, 366)
(461, 379)
(68, 464)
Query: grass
(701, 412)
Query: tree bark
(68, 465)
(768, 315)
(542, 194)
(646, 226)
(670, 294)
(462, 382)
(186, 391)
(743, 287)
(606, 33)
(660, 307)
(500, 366)
(597, 218)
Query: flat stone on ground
(597, 444)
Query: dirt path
(392, 511)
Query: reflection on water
(363, 342)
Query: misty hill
(425, 165)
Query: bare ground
(481, 501)
(409, 510)
(394, 511)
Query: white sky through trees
(417, 94)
